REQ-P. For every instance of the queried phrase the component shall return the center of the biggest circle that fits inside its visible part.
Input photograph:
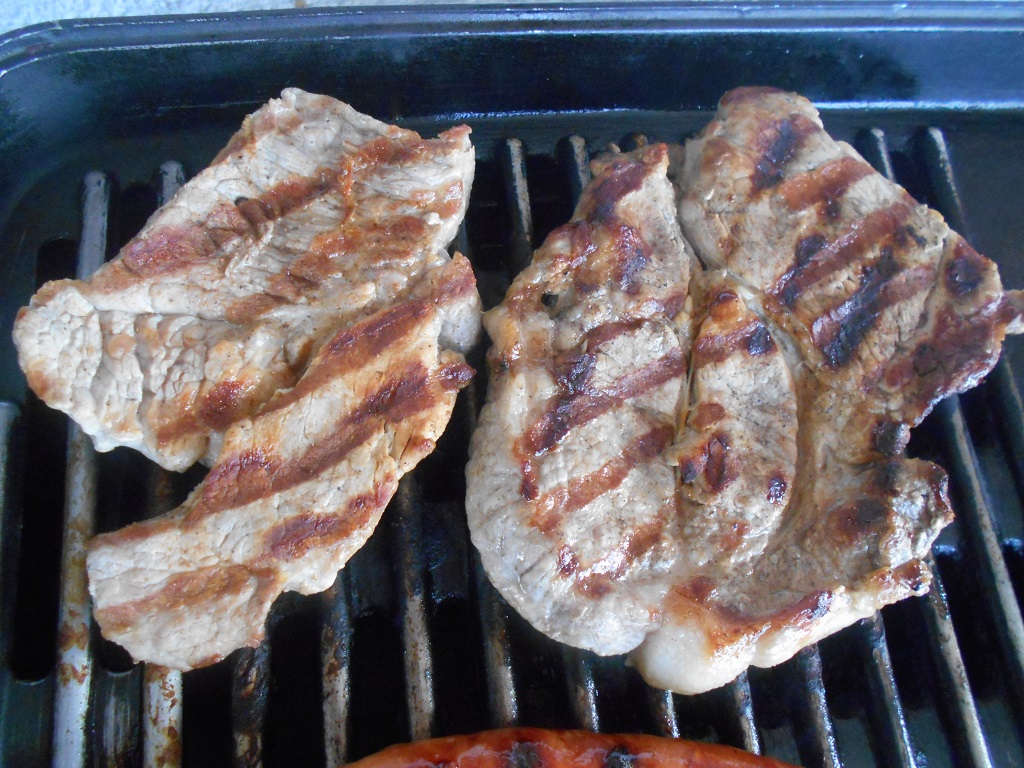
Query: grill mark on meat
(889, 438)
(577, 403)
(330, 252)
(711, 460)
(717, 467)
(355, 347)
(250, 476)
(184, 591)
(459, 282)
(633, 254)
(816, 258)
(175, 248)
(622, 176)
(783, 139)
(298, 535)
(824, 185)
(840, 332)
(715, 348)
(706, 414)
(965, 271)
(549, 509)
(598, 580)
(224, 405)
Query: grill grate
(413, 641)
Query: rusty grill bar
(412, 641)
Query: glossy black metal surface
(411, 640)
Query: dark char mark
(965, 270)
(858, 314)
(759, 341)
(524, 755)
(619, 757)
(770, 169)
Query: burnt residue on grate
(412, 641)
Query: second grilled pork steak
(834, 312)
(882, 311)
(296, 490)
(313, 215)
(571, 493)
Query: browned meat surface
(296, 490)
(536, 748)
(313, 215)
(758, 500)
(292, 316)
(571, 492)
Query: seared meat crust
(832, 313)
(571, 493)
(292, 316)
(297, 489)
(313, 215)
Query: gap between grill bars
(90, 714)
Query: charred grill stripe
(599, 578)
(840, 332)
(713, 348)
(577, 404)
(652, 375)
(549, 509)
(252, 475)
(354, 347)
(622, 177)
(175, 248)
(815, 258)
(302, 533)
(824, 184)
(785, 139)
(183, 591)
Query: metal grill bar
(162, 693)
(663, 710)
(578, 665)
(808, 664)
(249, 689)
(890, 721)
(335, 657)
(742, 711)
(419, 689)
(953, 675)
(983, 539)
(75, 663)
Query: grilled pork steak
(313, 215)
(296, 490)
(753, 497)
(290, 315)
(571, 488)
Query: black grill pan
(100, 120)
